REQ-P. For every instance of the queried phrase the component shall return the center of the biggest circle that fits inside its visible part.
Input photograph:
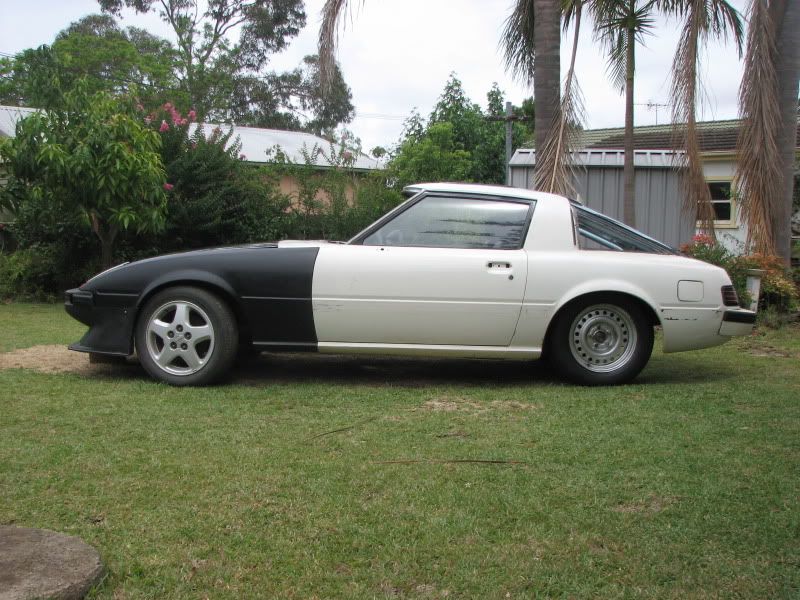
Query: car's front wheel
(601, 341)
(186, 336)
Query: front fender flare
(185, 277)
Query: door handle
(499, 265)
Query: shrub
(334, 203)
(37, 274)
(57, 250)
(214, 198)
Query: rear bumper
(110, 318)
(737, 322)
(703, 327)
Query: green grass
(23, 325)
(685, 484)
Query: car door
(447, 270)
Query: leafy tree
(94, 49)
(212, 68)
(436, 157)
(33, 78)
(479, 137)
(454, 107)
(279, 100)
(94, 156)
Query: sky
(396, 55)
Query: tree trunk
(106, 234)
(628, 173)
(785, 15)
(547, 76)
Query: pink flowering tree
(214, 197)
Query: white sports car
(458, 270)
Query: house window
(723, 203)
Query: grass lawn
(327, 477)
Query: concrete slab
(36, 563)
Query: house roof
(713, 136)
(9, 115)
(256, 141)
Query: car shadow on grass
(310, 368)
(392, 371)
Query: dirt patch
(457, 404)
(54, 359)
(768, 351)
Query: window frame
(358, 239)
(731, 223)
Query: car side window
(449, 222)
(598, 232)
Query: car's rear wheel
(601, 341)
(186, 336)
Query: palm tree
(536, 25)
(767, 141)
(553, 167)
(528, 58)
(532, 41)
(701, 18)
(620, 25)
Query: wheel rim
(180, 337)
(603, 338)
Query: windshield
(598, 232)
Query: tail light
(729, 296)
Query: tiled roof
(256, 141)
(713, 136)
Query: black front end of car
(110, 318)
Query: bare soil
(53, 359)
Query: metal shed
(599, 185)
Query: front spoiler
(110, 318)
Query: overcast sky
(397, 54)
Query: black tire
(200, 360)
(601, 340)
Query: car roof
(483, 189)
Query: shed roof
(256, 141)
(713, 136)
(606, 157)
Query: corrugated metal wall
(658, 194)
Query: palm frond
(517, 41)
(554, 167)
(683, 97)
(758, 175)
(332, 13)
(702, 18)
(618, 24)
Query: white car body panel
(451, 302)
(399, 295)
